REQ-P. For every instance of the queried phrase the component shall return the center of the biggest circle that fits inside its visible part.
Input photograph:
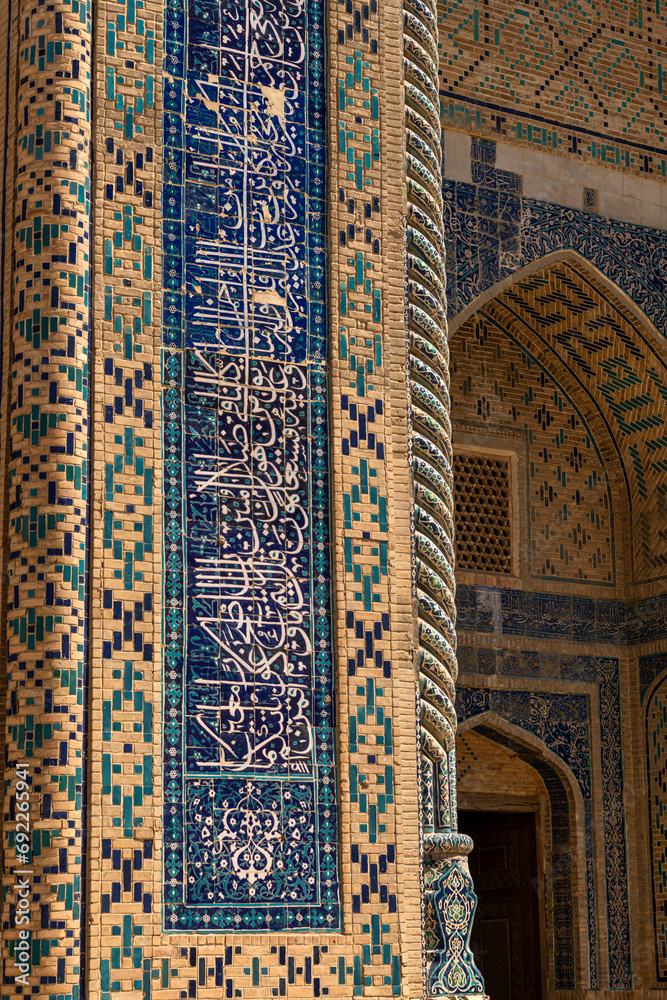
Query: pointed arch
(566, 888)
(654, 704)
(607, 357)
(539, 264)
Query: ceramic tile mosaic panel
(223, 262)
(250, 789)
(654, 705)
(496, 231)
(244, 353)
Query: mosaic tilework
(559, 616)
(550, 315)
(582, 80)
(603, 671)
(559, 312)
(496, 231)
(650, 668)
(655, 713)
(493, 231)
(125, 858)
(380, 956)
(48, 335)
(562, 723)
(246, 437)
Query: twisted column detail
(450, 897)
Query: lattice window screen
(483, 512)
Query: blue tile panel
(562, 721)
(650, 668)
(250, 819)
(560, 616)
(494, 231)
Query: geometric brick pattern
(615, 359)
(126, 951)
(497, 385)
(47, 352)
(656, 714)
(125, 628)
(580, 80)
(564, 313)
(367, 960)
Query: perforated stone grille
(483, 516)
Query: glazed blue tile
(520, 664)
(253, 727)
(563, 724)
(466, 197)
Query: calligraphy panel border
(311, 347)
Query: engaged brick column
(450, 897)
(46, 479)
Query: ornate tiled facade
(544, 369)
(284, 286)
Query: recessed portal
(506, 936)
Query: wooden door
(505, 938)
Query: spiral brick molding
(453, 971)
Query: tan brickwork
(558, 384)
(518, 337)
(8, 128)
(126, 553)
(569, 466)
(335, 958)
(47, 482)
(583, 82)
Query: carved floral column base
(451, 904)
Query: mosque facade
(334, 460)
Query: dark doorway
(505, 937)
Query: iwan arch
(558, 377)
